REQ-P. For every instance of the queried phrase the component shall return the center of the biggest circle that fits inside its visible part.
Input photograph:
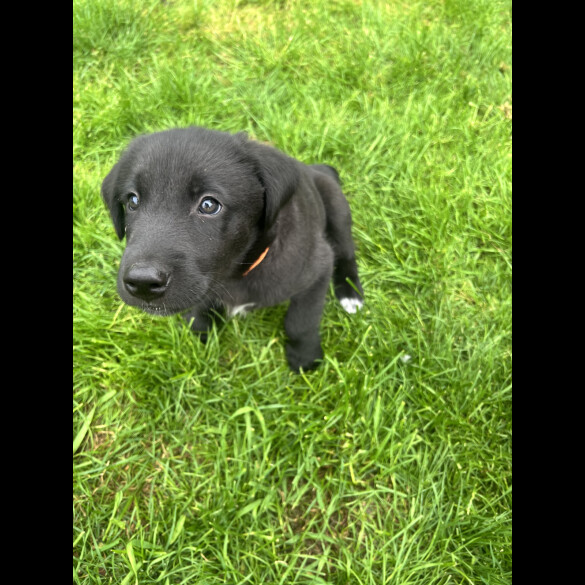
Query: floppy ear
(114, 205)
(279, 175)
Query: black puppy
(217, 222)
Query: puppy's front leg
(200, 320)
(301, 324)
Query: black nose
(146, 281)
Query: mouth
(160, 311)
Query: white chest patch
(239, 309)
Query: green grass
(391, 463)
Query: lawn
(390, 463)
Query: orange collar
(260, 258)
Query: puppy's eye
(133, 201)
(209, 206)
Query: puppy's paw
(351, 297)
(202, 334)
(351, 305)
(303, 357)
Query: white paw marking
(240, 309)
(351, 305)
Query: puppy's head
(195, 206)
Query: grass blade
(83, 430)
